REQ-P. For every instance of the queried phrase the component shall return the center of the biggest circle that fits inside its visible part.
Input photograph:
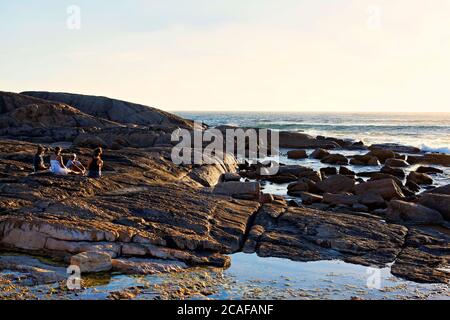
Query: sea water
(428, 131)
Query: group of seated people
(73, 166)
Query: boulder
(381, 154)
(431, 158)
(297, 154)
(319, 153)
(329, 171)
(419, 178)
(358, 207)
(387, 188)
(365, 160)
(238, 189)
(135, 266)
(401, 211)
(441, 190)
(311, 175)
(310, 198)
(396, 163)
(230, 176)
(355, 162)
(266, 198)
(337, 184)
(438, 202)
(411, 185)
(397, 172)
(382, 176)
(340, 199)
(335, 159)
(298, 186)
(90, 262)
(346, 171)
(372, 200)
(294, 170)
(395, 147)
(303, 141)
(428, 170)
(373, 161)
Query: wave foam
(426, 148)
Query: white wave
(426, 148)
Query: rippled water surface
(430, 131)
(253, 277)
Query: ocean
(428, 131)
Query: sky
(233, 55)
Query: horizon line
(326, 111)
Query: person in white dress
(56, 163)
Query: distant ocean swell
(430, 132)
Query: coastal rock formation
(395, 147)
(339, 199)
(319, 153)
(424, 257)
(92, 261)
(246, 190)
(381, 154)
(419, 178)
(396, 163)
(335, 159)
(115, 110)
(337, 184)
(431, 158)
(304, 141)
(364, 160)
(428, 170)
(401, 211)
(40, 273)
(145, 206)
(27, 117)
(438, 202)
(441, 190)
(387, 188)
(297, 154)
(86, 121)
(309, 235)
(147, 215)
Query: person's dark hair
(40, 149)
(97, 152)
(57, 150)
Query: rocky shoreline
(148, 215)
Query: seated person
(95, 164)
(56, 163)
(38, 160)
(75, 165)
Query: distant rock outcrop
(18, 110)
(85, 121)
(115, 110)
(28, 118)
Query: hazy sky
(238, 55)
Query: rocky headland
(148, 215)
